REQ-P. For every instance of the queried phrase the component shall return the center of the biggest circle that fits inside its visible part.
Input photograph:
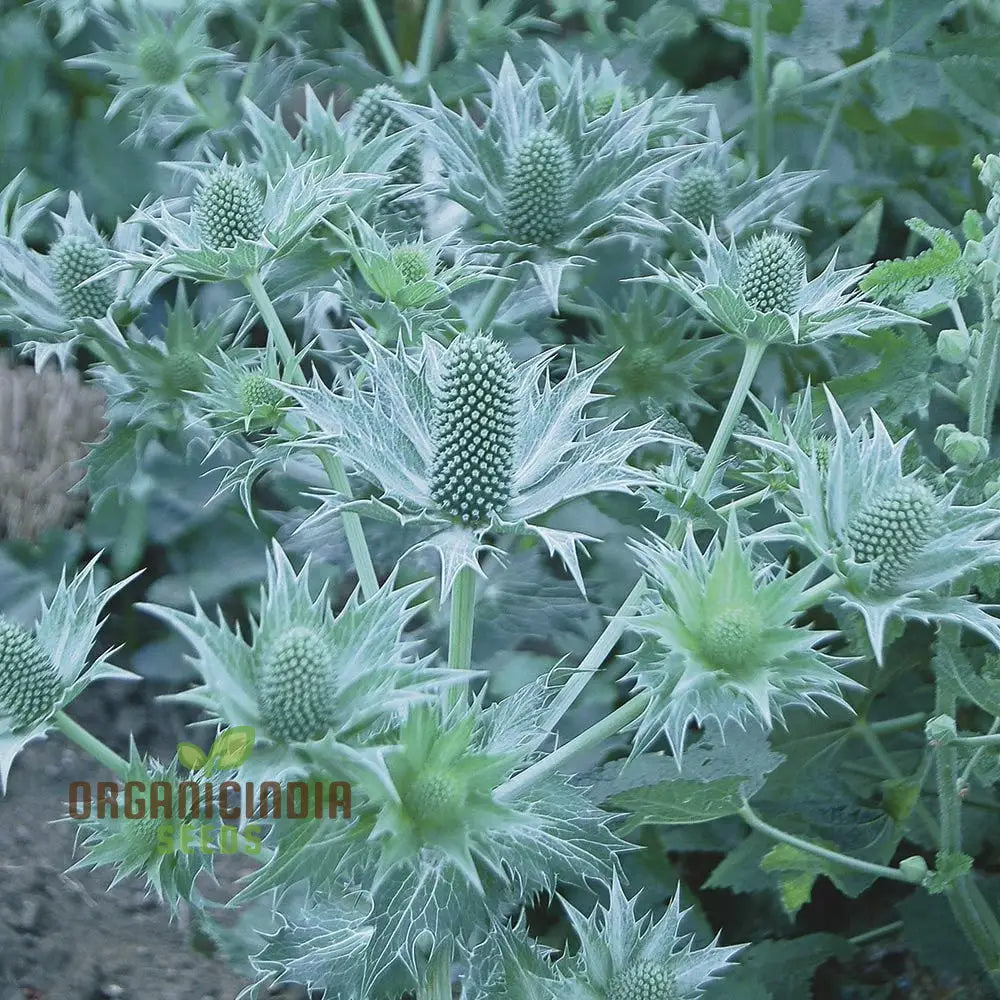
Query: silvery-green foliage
(157, 59)
(384, 429)
(512, 163)
(720, 640)
(47, 667)
(307, 679)
(50, 301)
(893, 542)
(737, 300)
(435, 853)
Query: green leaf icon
(192, 757)
(233, 747)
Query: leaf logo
(230, 749)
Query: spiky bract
(474, 430)
(720, 641)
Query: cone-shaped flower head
(474, 430)
(893, 543)
(29, 684)
(256, 390)
(74, 258)
(296, 696)
(158, 59)
(893, 529)
(772, 270)
(437, 847)
(701, 194)
(462, 439)
(413, 263)
(43, 670)
(622, 957)
(760, 291)
(539, 175)
(720, 641)
(228, 206)
(183, 371)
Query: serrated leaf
(679, 802)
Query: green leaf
(679, 802)
(232, 747)
(190, 756)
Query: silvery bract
(43, 669)
(761, 292)
(384, 428)
(720, 641)
(434, 855)
(893, 543)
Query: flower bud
(474, 430)
(914, 868)
(771, 272)
(256, 390)
(435, 799)
(538, 187)
(412, 263)
(158, 60)
(183, 371)
(29, 683)
(787, 76)
(372, 113)
(294, 688)
(228, 206)
(953, 346)
(700, 195)
(74, 259)
(732, 639)
(941, 730)
(965, 449)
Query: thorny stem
(758, 82)
(609, 726)
(751, 362)
(381, 36)
(332, 464)
(87, 741)
(460, 628)
(882, 871)
(428, 36)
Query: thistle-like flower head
(235, 219)
(464, 440)
(714, 188)
(305, 675)
(43, 669)
(624, 957)
(720, 641)
(512, 163)
(155, 58)
(760, 291)
(139, 846)
(48, 301)
(893, 542)
(435, 849)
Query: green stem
(598, 653)
(260, 43)
(752, 358)
(819, 592)
(758, 81)
(495, 297)
(332, 464)
(381, 36)
(966, 775)
(609, 726)
(978, 741)
(353, 530)
(882, 871)
(293, 370)
(428, 36)
(832, 120)
(438, 977)
(986, 378)
(889, 930)
(886, 727)
(86, 741)
(461, 626)
(846, 73)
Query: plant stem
(609, 726)
(428, 36)
(758, 82)
(331, 463)
(882, 871)
(494, 298)
(889, 930)
(597, 654)
(260, 43)
(966, 774)
(381, 37)
(986, 377)
(460, 628)
(86, 741)
(843, 74)
(819, 592)
(898, 725)
(438, 977)
(752, 358)
(275, 327)
(991, 740)
(832, 120)
(353, 530)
